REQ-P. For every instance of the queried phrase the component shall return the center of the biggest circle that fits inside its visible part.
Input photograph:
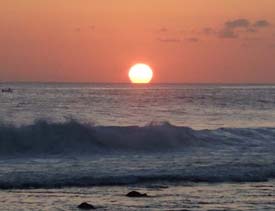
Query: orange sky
(193, 41)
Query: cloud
(169, 40)
(261, 24)
(228, 34)
(192, 39)
(233, 28)
(229, 31)
(237, 23)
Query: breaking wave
(49, 155)
(73, 137)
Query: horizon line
(151, 83)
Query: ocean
(188, 146)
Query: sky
(184, 41)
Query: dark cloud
(192, 39)
(237, 28)
(233, 28)
(228, 34)
(230, 28)
(169, 40)
(261, 24)
(238, 23)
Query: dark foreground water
(190, 196)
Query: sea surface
(188, 146)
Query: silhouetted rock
(86, 206)
(9, 90)
(136, 194)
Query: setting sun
(140, 74)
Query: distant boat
(8, 90)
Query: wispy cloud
(228, 33)
(233, 28)
(192, 39)
(169, 40)
(261, 24)
(237, 23)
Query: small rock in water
(136, 194)
(86, 206)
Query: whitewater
(192, 147)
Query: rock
(136, 194)
(86, 206)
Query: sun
(140, 73)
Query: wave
(45, 155)
(44, 137)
